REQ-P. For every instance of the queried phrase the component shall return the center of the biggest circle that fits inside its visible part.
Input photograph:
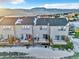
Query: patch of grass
(57, 46)
(69, 45)
(76, 34)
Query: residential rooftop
(32, 20)
(52, 21)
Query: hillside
(34, 11)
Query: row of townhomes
(15, 30)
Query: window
(62, 29)
(45, 36)
(22, 36)
(28, 36)
(26, 27)
(7, 28)
(62, 37)
(57, 37)
(43, 28)
(1, 36)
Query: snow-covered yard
(39, 52)
(75, 44)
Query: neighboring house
(7, 27)
(57, 28)
(23, 28)
(73, 27)
(41, 30)
(17, 27)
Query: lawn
(69, 45)
(76, 34)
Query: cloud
(62, 5)
(3, 1)
(12, 1)
(17, 1)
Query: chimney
(35, 21)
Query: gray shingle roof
(30, 21)
(27, 21)
(52, 21)
(13, 20)
(8, 20)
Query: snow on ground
(39, 52)
(49, 53)
(75, 44)
(13, 49)
(75, 24)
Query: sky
(27, 4)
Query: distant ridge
(34, 11)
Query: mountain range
(34, 11)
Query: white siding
(38, 32)
(21, 30)
(54, 30)
(5, 32)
